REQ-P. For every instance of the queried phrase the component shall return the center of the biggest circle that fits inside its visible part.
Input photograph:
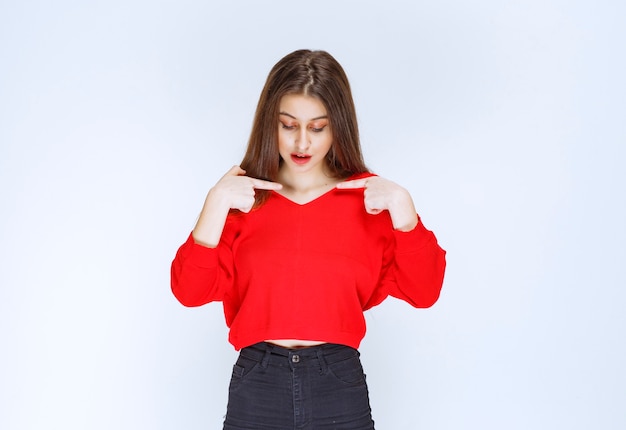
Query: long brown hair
(316, 74)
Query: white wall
(506, 121)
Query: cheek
(326, 143)
(282, 141)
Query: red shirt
(291, 271)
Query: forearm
(210, 224)
(419, 267)
(402, 211)
(195, 274)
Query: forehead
(302, 107)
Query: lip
(302, 159)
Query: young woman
(297, 243)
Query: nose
(302, 142)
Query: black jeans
(321, 387)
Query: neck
(304, 182)
(305, 187)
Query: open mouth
(300, 158)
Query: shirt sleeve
(200, 275)
(413, 267)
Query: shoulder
(360, 176)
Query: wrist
(405, 224)
(403, 213)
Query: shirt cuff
(414, 240)
(198, 255)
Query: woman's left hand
(382, 194)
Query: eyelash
(314, 130)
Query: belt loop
(321, 360)
(266, 357)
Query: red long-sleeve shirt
(291, 271)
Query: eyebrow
(312, 119)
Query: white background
(505, 120)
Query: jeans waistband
(318, 356)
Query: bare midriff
(295, 343)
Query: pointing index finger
(265, 185)
(354, 184)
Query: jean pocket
(348, 371)
(243, 367)
(241, 370)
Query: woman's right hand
(233, 191)
(236, 191)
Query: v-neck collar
(293, 202)
(323, 195)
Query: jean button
(295, 358)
